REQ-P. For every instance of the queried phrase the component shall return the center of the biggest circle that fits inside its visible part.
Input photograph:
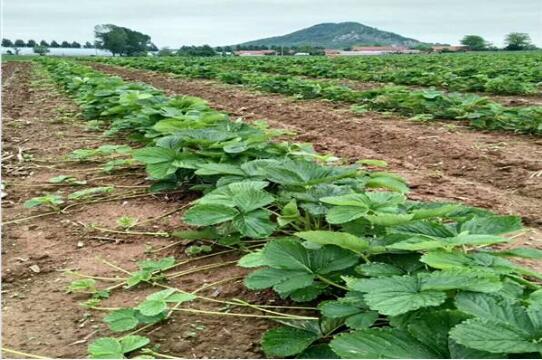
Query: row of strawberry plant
(502, 73)
(512, 74)
(392, 278)
(480, 112)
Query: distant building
(255, 52)
(371, 50)
(301, 54)
(449, 48)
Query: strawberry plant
(49, 200)
(390, 277)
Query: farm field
(248, 208)
(423, 104)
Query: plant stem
(206, 312)
(330, 282)
(128, 232)
(27, 355)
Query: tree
(31, 43)
(75, 45)
(121, 40)
(44, 43)
(41, 50)
(88, 45)
(474, 42)
(19, 43)
(204, 50)
(152, 47)
(7, 43)
(65, 44)
(165, 51)
(518, 41)
(54, 44)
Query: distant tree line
(513, 42)
(7, 43)
(207, 50)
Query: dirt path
(441, 161)
(38, 317)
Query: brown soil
(441, 161)
(40, 126)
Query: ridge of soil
(441, 161)
(38, 317)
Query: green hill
(337, 36)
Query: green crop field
(278, 206)
(362, 271)
(517, 74)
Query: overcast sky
(174, 23)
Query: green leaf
(152, 307)
(458, 351)
(495, 309)
(431, 243)
(154, 155)
(255, 224)
(161, 170)
(494, 337)
(387, 182)
(251, 260)
(492, 225)
(340, 239)
(461, 279)
(121, 320)
(286, 341)
(82, 286)
(288, 214)
(380, 344)
(344, 214)
(289, 254)
(353, 199)
(318, 351)
(133, 342)
(338, 309)
(432, 329)
(384, 219)
(396, 294)
(252, 199)
(362, 320)
(207, 214)
(266, 278)
(219, 169)
(376, 269)
(153, 265)
(294, 282)
(106, 348)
